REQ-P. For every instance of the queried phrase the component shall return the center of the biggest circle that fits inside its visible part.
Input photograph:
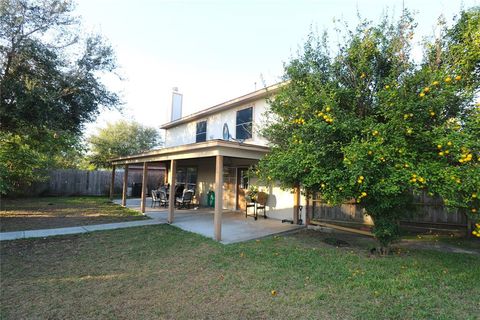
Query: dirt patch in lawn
(58, 212)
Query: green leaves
(49, 77)
(386, 115)
(50, 85)
(26, 158)
(20, 165)
(121, 139)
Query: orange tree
(370, 124)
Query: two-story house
(212, 150)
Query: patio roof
(205, 149)
(217, 149)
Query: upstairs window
(244, 124)
(201, 131)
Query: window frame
(244, 124)
(201, 134)
(187, 174)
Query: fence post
(469, 228)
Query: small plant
(251, 194)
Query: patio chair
(185, 200)
(155, 198)
(251, 204)
(179, 191)
(165, 189)
(162, 196)
(262, 198)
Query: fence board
(430, 213)
(95, 183)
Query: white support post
(217, 218)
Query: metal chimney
(176, 104)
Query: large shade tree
(120, 139)
(369, 123)
(50, 85)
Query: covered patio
(214, 161)
(235, 227)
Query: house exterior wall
(205, 176)
(186, 133)
(280, 202)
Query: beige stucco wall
(185, 133)
(280, 202)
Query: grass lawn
(58, 212)
(161, 272)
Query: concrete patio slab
(235, 227)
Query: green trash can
(211, 199)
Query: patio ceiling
(205, 149)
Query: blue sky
(216, 50)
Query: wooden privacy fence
(95, 183)
(430, 215)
